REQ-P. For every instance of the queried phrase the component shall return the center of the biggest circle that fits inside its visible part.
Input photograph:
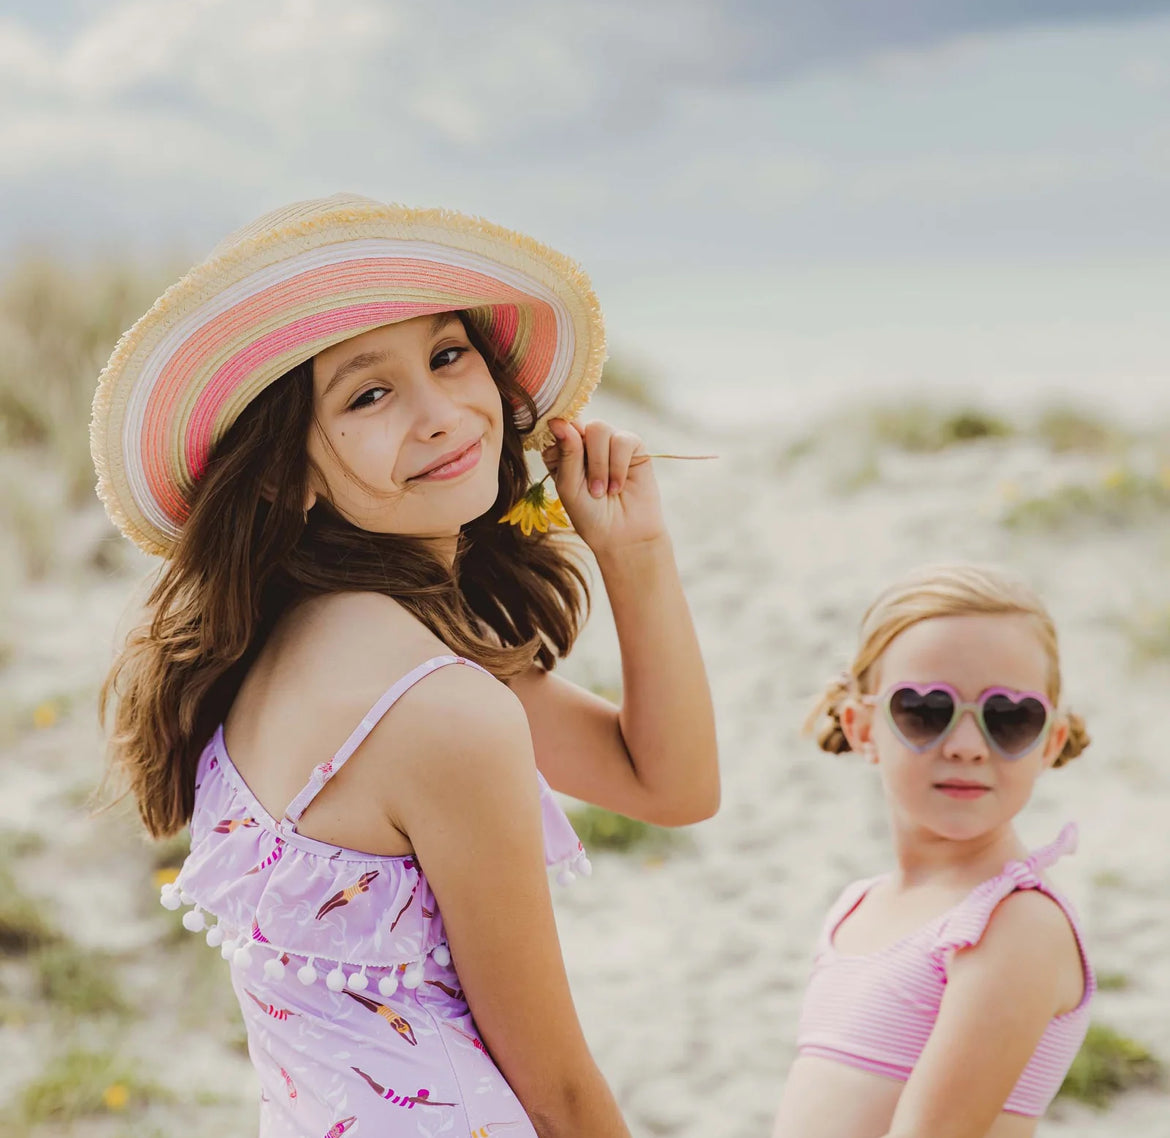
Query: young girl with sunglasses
(949, 995)
(345, 682)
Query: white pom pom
(193, 921)
(274, 968)
(359, 981)
(388, 985)
(243, 956)
(307, 974)
(584, 866)
(441, 956)
(228, 949)
(566, 877)
(335, 981)
(169, 898)
(215, 936)
(414, 975)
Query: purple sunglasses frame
(961, 707)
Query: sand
(687, 966)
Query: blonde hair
(934, 591)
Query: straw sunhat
(291, 284)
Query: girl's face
(409, 428)
(960, 787)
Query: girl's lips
(961, 790)
(460, 464)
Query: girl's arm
(1000, 996)
(459, 770)
(655, 758)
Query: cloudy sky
(818, 189)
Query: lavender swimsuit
(356, 1020)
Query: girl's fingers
(622, 448)
(569, 453)
(597, 442)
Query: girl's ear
(857, 726)
(1057, 738)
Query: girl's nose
(436, 412)
(965, 739)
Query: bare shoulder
(456, 713)
(1030, 938)
(1031, 919)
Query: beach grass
(601, 829)
(58, 325)
(24, 925)
(1149, 633)
(1112, 981)
(80, 1082)
(1107, 1064)
(628, 383)
(79, 982)
(1065, 429)
(923, 429)
(1121, 495)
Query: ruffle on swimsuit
(876, 1010)
(277, 894)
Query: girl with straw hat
(345, 682)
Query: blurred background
(906, 268)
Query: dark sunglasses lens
(921, 717)
(1014, 725)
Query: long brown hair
(248, 552)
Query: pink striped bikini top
(876, 1010)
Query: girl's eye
(446, 357)
(368, 398)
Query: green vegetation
(80, 1082)
(1121, 496)
(1066, 430)
(170, 853)
(1106, 1065)
(1149, 633)
(23, 925)
(630, 385)
(1112, 982)
(923, 429)
(601, 829)
(80, 982)
(57, 327)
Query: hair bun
(824, 721)
(1078, 739)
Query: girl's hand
(608, 490)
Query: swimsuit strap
(323, 772)
(1026, 874)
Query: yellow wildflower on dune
(116, 1096)
(537, 510)
(44, 715)
(165, 876)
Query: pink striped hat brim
(298, 281)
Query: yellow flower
(116, 1096)
(537, 510)
(165, 876)
(1115, 478)
(44, 715)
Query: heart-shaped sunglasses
(922, 715)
